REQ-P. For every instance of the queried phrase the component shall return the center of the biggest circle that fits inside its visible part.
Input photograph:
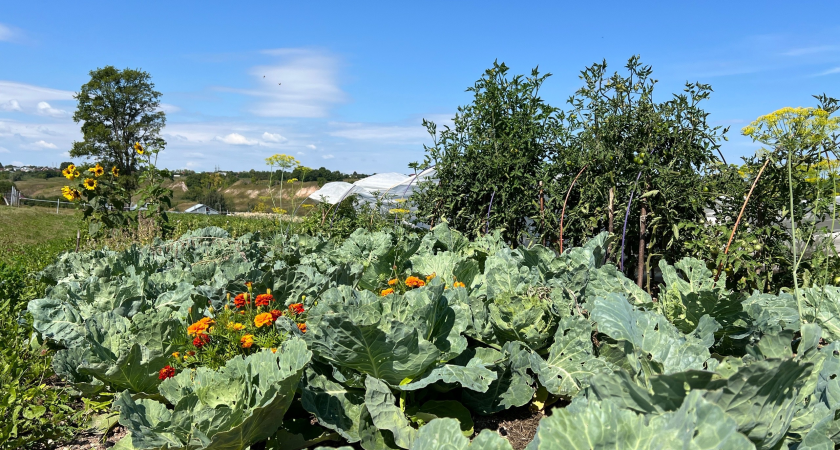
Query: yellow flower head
(399, 211)
(115, 172)
(431, 277)
(393, 281)
(247, 341)
(70, 172)
(97, 170)
(176, 355)
(235, 326)
(385, 292)
(70, 193)
(200, 327)
(90, 184)
(139, 148)
(458, 284)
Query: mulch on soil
(517, 425)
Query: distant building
(201, 209)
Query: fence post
(57, 205)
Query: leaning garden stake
(738, 220)
(563, 213)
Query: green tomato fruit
(837, 281)
(757, 247)
(705, 189)
(642, 155)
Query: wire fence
(16, 198)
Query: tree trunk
(611, 220)
(640, 270)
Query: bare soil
(517, 425)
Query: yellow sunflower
(115, 172)
(90, 184)
(70, 172)
(97, 170)
(70, 193)
(139, 148)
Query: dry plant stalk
(738, 220)
(563, 213)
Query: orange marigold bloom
(414, 282)
(393, 281)
(385, 292)
(201, 340)
(247, 341)
(275, 313)
(248, 285)
(236, 326)
(302, 327)
(263, 319)
(176, 355)
(200, 327)
(273, 350)
(431, 277)
(458, 284)
(296, 308)
(166, 372)
(242, 300)
(263, 299)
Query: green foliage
(118, 108)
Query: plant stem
(563, 213)
(624, 230)
(793, 236)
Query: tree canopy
(118, 108)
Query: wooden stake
(563, 213)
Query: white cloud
(828, 72)
(17, 163)
(44, 109)
(301, 153)
(7, 33)
(11, 105)
(273, 137)
(236, 139)
(168, 108)
(44, 144)
(328, 156)
(810, 50)
(311, 146)
(383, 133)
(303, 84)
(28, 96)
(4, 150)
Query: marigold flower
(97, 170)
(247, 341)
(458, 284)
(236, 326)
(190, 353)
(115, 172)
(385, 292)
(166, 372)
(393, 281)
(242, 300)
(200, 327)
(263, 299)
(431, 277)
(201, 340)
(414, 282)
(70, 172)
(90, 184)
(296, 308)
(263, 319)
(176, 355)
(273, 350)
(275, 313)
(302, 327)
(139, 148)
(248, 284)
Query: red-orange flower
(458, 284)
(296, 308)
(385, 292)
(263, 299)
(201, 340)
(166, 372)
(247, 341)
(275, 313)
(302, 327)
(393, 281)
(248, 284)
(414, 282)
(431, 277)
(200, 327)
(242, 300)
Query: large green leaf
(336, 407)
(698, 424)
(242, 403)
(571, 360)
(445, 434)
(513, 385)
(652, 337)
(386, 415)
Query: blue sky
(358, 77)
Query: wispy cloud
(11, 105)
(44, 109)
(236, 139)
(44, 144)
(811, 50)
(29, 98)
(7, 33)
(304, 83)
(273, 137)
(382, 133)
(328, 156)
(828, 72)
